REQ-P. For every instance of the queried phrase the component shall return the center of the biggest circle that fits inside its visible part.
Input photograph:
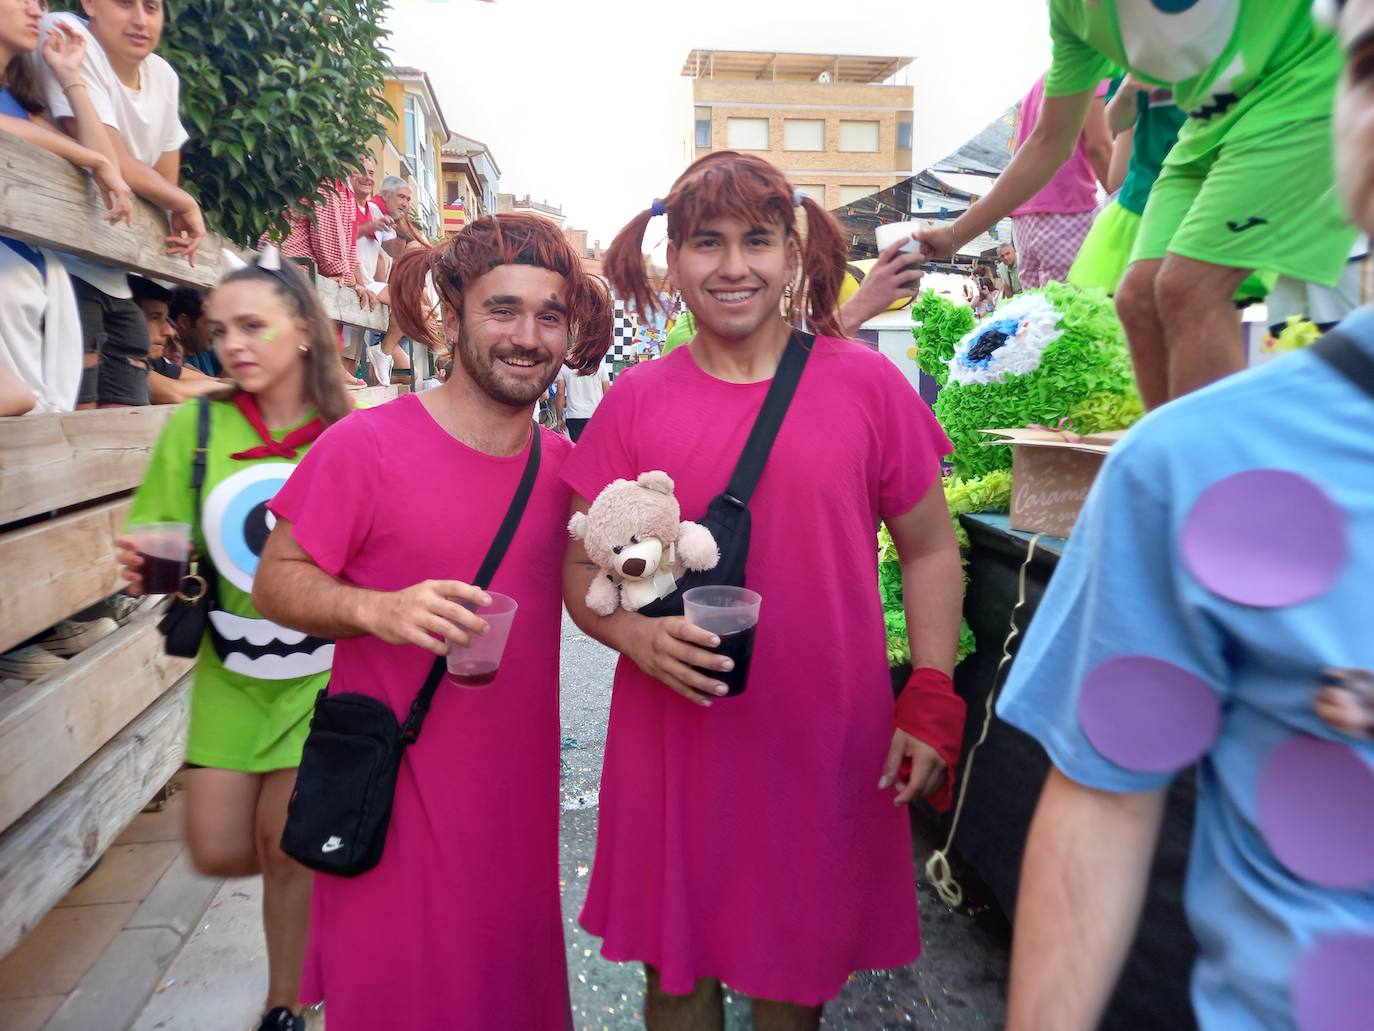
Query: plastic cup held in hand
(165, 549)
(887, 235)
(732, 614)
(476, 664)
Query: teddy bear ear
(577, 525)
(656, 480)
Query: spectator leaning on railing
(37, 308)
(135, 95)
(170, 380)
(187, 311)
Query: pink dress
(460, 925)
(749, 842)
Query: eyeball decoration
(1041, 357)
(1008, 344)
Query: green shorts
(1261, 202)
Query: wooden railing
(48, 202)
(85, 747)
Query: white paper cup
(893, 232)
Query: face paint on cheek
(269, 335)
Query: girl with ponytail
(734, 808)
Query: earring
(302, 348)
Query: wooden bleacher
(83, 749)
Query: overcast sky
(583, 104)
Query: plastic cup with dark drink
(476, 664)
(732, 614)
(165, 549)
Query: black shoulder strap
(1343, 354)
(202, 446)
(410, 732)
(755, 455)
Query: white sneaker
(382, 364)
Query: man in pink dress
(756, 840)
(459, 926)
(1050, 227)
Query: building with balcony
(471, 182)
(837, 125)
(527, 206)
(414, 142)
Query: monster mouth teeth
(260, 648)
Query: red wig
(726, 184)
(509, 239)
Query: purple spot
(1148, 715)
(1332, 990)
(1316, 812)
(1265, 538)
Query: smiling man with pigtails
(761, 839)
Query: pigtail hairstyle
(407, 286)
(728, 184)
(324, 388)
(506, 239)
(824, 254)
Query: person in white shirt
(577, 399)
(136, 95)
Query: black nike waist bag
(727, 516)
(340, 810)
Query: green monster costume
(255, 681)
(1041, 357)
(1247, 185)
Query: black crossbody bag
(184, 624)
(338, 815)
(727, 516)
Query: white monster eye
(1009, 345)
(1175, 40)
(236, 520)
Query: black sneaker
(282, 1019)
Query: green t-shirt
(1237, 67)
(1157, 123)
(682, 332)
(255, 680)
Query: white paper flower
(1009, 342)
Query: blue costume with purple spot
(1274, 469)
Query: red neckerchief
(286, 447)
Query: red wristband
(930, 711)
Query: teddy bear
(635, 534)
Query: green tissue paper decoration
(1041, 357)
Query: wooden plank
(46, 200)
(53, 725)
(51, 569)
(341, 304)
(48, 850)
(49, 202)
(371, 397)
(55, 461)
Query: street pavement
(216, 982)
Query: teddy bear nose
(633, 567)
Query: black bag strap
(749, 469)
(199, 455)
(1343, 354)
(410, 731)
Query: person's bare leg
(784, 1016)
(703, 1010)
(391, 347)
(1201, 327)
(286, 888)
(220, 813)
(1139, 314)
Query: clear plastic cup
(165, 549)
(732, 614)
(476, 664)
(887, 235)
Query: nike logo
(1249, 223)
(332, 845)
